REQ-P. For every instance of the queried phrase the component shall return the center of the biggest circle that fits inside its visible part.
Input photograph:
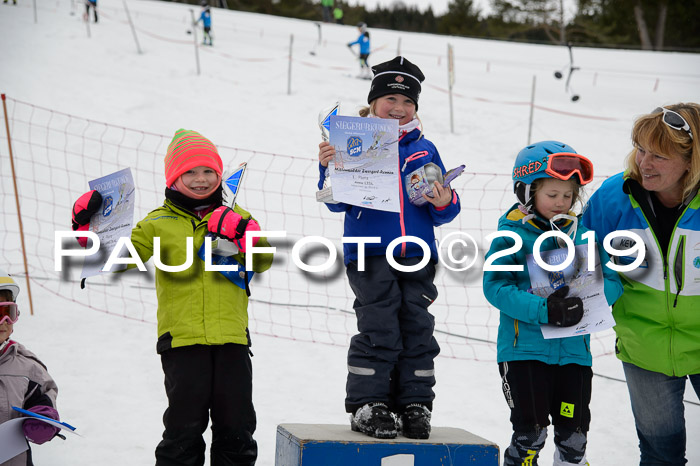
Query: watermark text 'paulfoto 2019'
(446, 251)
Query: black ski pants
(535, 392)
(89, 5)
(391, 359)
(203, 379)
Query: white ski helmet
(7, 283)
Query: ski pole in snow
(86, 17)
(313, 51)
(133, 29)
(19, 217)
(289, 70)
(194, 36)
(450, 82)
(532, 109)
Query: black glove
(85, 207)
(563, 311)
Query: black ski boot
(375, 420)
(415, 421)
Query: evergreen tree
(462, 18)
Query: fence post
(450, 82)
(133, 29)
(19, 217)
(532, 108)
(194, 36)
(289, 70)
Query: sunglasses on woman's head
(674, 120)
(9, 312)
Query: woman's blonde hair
(370, 111)
(653, 135)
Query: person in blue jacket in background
(363, 42)
(205, 18)
(391, 360)
(543, 377)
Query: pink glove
(84, 208)
(38, 431)
(228, 224)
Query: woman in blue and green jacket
(658, 316)
(543, 378)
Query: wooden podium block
(337, 445)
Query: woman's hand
(325, 153)
(442, 196)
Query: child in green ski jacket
(203, 335)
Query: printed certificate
(366, 170)
(585, 284)
(113, 220)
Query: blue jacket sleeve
(594, 215)
(594, 218)
(611, 280)
(502, 291)
(339, 207)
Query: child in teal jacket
(543, 377)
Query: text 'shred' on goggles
(9, 312)
(564, 165)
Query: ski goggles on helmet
(564, 165)
(674, 120)
(9, 312)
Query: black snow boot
(415, 421)
(375, 420)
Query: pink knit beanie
(188, 150)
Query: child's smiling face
(396, 106)
(201, 180)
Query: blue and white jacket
(519, 334)
(363, 42)
(414, 152)
(205, 18)
(658, 315)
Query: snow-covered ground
(110, 380)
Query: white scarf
(408, 127)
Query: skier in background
(327, 9)
(338, 15)
(363, 42)
(205, 18)
(24, 380)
